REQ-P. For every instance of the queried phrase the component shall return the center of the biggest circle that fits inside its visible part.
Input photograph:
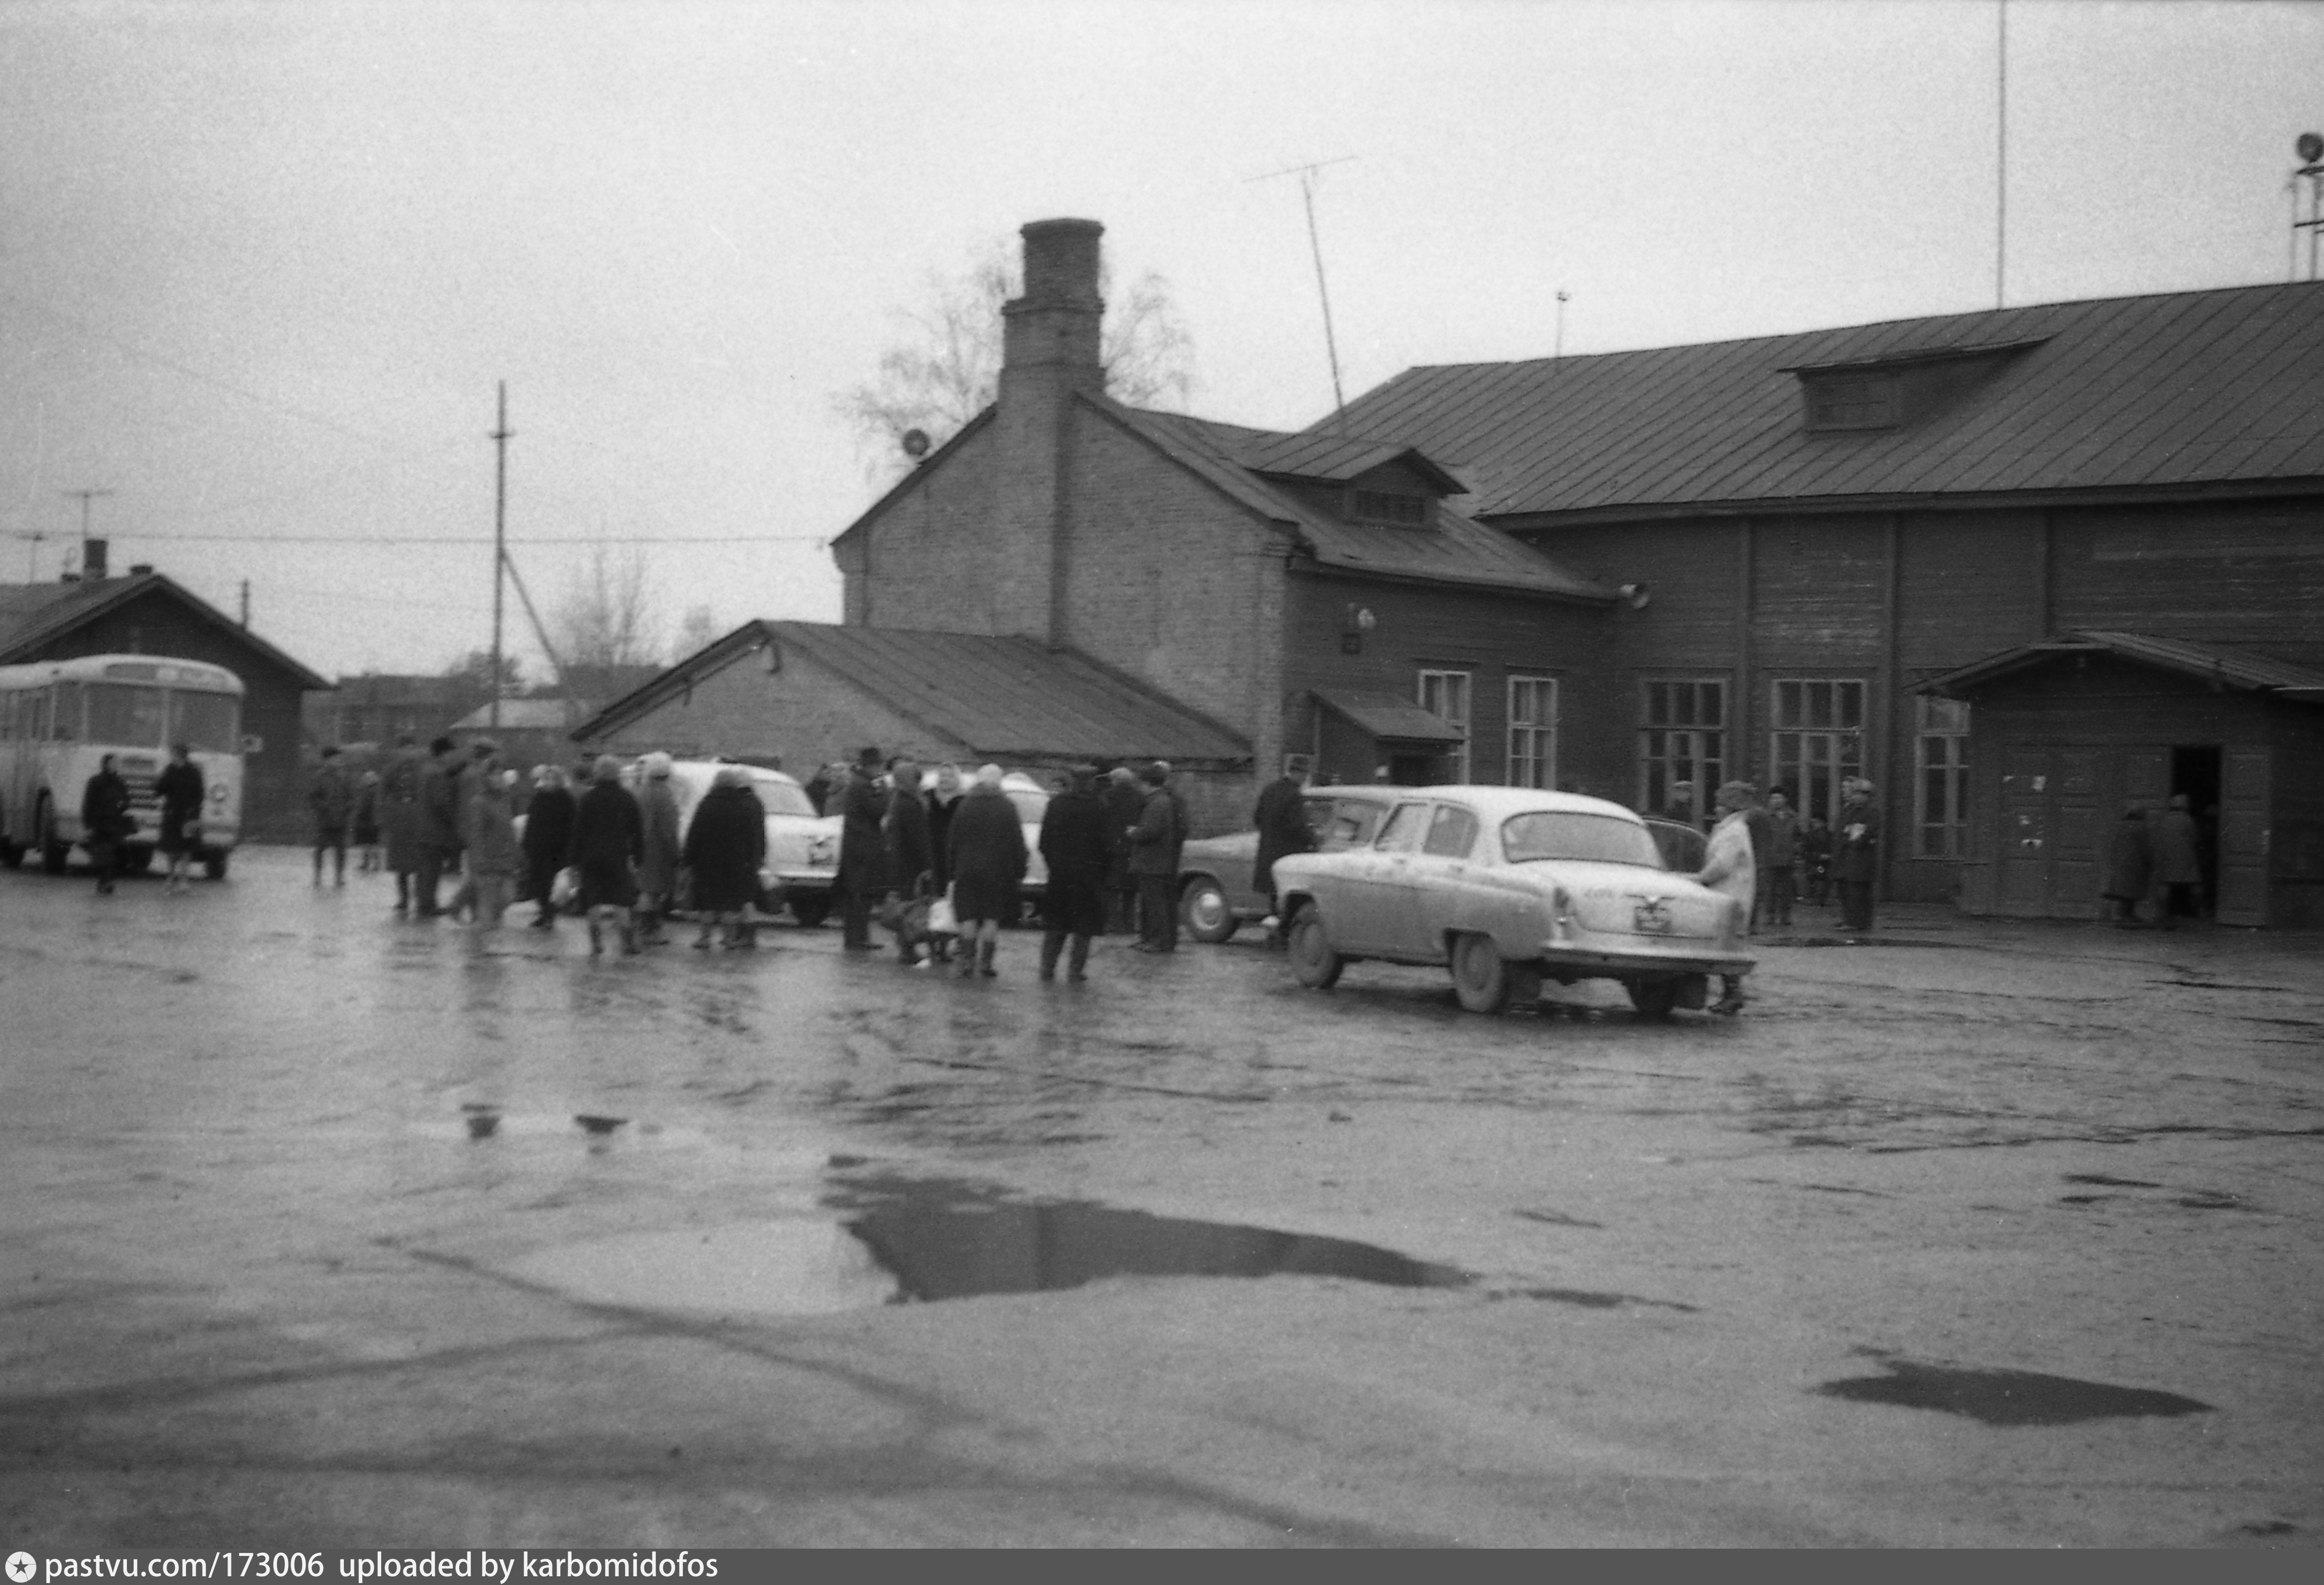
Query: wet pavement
(318, 1227)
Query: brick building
(148, 613)
(1314, 594)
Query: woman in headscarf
(988, 865)
(657, 867)
(723, 849)
(943, 800)
(492, 840)
(548, 833)
(608, 841)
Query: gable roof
(2234, 668)
(1453, 550)
(2172, 390)
(997, 697)
(35, 616)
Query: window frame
(1792, 765)
(1540, 735)
(1465, 720)
(1707, 740)
(1952, 843)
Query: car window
(1352, 823)
(1401, 834)
(1451, 833)
(1683, 848)
(783, 797)
(1559, 833)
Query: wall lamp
(1354, 624)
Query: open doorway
(2195, 772)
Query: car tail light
(1560, 912)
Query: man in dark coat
(1283, 830)
(1856, 857)
(2178, 862)
(862, 872)
(724, 847)
(988, 868)
(609, 842)
(548, 834)
(399, 812)
(331, 799)
(1078, 841)
(904, 837)
(2130, 865)
(1154, 846)
(179, 789)
(1124, 801)
(440, 822)
(106, 820)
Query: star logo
(22, 1566)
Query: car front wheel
(1653, 999)
(809, 909)
(1312, 961)
(1479, 978)
(1204, 907)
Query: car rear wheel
(810, 909)
(214, 864)
(1207, 915)
(1312, 962)
(1653, 999)
(1479, 978)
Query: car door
(1436, 882)
(1380, 883)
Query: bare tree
(945, 368)
(696, 630)
(608, 617)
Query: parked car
(1215, 895)
(1509, 887)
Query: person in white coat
(1730, 867)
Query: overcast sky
(261, 265)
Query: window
(130, 716)
(1851, 401)
(1386, 506)
(208, 722)
(1941, 785)
(1818, 740)
(1446, 694)
(1401, 834)
(64, 717)
(1682, 747)
(1451, 833)
(1533, 731)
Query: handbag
(562, 889)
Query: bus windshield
(205, 723)
(125, 714)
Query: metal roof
(2174, 390)
(997, 697)
(1388, 717)
(2234, 668)
(33, 616)
(1454, 548)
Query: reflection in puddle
(948, 1239)
(799, 1265)
(2007, 1397)
(893, 1240)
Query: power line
(470, 540)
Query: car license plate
(1652, 917)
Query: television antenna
(2310, 149)
(1306, 175)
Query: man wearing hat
(1154, 845)
(861, 877)
(1855, 854)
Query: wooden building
(1813, 526)
(146, 612)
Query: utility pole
(86, 497)
(501, 434)
(1306, 175)
(245, 603)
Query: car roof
(1499, 803)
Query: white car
(802, 846)
(1509, 887)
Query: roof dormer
(1373, 483)
(1890, 390)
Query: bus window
(124, 714)
(205, 723)
(64, 714)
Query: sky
(263, 266)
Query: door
(2076, 823)
(2024, 848)
(2244, 837)
(1375, 884)
(1439, 878)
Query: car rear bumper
(1587, 962)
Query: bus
(59, 718)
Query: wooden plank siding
(1416, 627)
(2248, 574)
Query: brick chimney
(92, 560)
(1049, 353)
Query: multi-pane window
(1533, 731)
(1851, 401)
(1682, 747)
(1818, 740)
(1445, 694)
(1388, 506)
(1941, 785)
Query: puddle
(2007, 1397)
(948, 1240)
(894, 1241)
(1589, 1300)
